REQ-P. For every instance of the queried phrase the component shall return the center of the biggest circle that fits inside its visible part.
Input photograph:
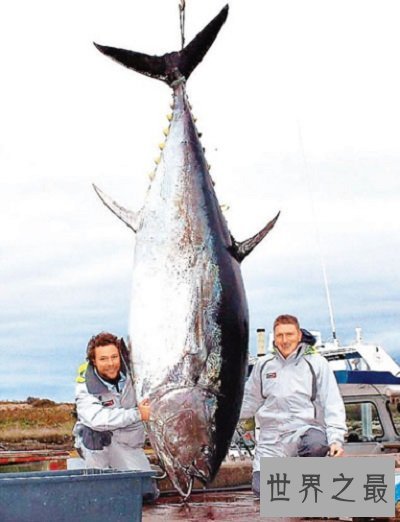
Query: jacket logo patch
(271, 375)
(108, 403)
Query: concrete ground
(227, 506)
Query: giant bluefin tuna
(189, 318)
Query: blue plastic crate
(90, 495)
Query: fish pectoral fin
(243, 249)
(130, 218)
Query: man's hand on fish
(144, 409)
(335, 450)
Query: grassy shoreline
(36, 424)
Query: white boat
(369, 382)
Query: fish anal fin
(242, 249)
(130, 218)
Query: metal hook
(189, 491)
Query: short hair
(101, 339)
(286, 319)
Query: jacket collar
(93, 383)
(307, 338)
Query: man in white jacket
(294, 396)
(109, 432)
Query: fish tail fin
(171, 66)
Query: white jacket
(103, 409)
(293, 395)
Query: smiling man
(294, 396)
(109, 431)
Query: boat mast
(328, 298)
(319, 248)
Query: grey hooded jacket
(294, 394)
(106, 415)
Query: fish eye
(205, 450)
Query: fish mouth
(181, 428)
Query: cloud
(311, 130)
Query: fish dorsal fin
(130, 218)
(243, 249)
(171, 66)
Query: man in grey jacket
(294, 396)
(109, 432)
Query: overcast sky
(298, 103)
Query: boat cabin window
(363, 423)
(394, 409)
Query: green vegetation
(35, 424)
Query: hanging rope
(182, 7)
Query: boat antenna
(182, 7)
(317, 235)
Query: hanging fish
(189, 317)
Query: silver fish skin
(184, 276)
(189, 317)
